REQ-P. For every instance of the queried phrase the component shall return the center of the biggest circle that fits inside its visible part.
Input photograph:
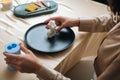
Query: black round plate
(36, 39)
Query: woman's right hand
(64, 22)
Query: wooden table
(62, 61)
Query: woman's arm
(97, 24)
(29, 63)
(47, 73)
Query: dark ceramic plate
(36, 39)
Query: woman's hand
(64, 22)
(27, 63)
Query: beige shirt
(107, 63)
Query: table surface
(15, 29)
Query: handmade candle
(51, 25)
(6, 4)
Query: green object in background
(20, 11)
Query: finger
(11, 60)
(59, 29)
(24, 49)
(15, 66)
(11, 56)
(58, 23)
(47, 27)
(21, 43)
(46, 21)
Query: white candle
(52, 27)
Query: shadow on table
(9, 74)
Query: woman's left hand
(27, 63)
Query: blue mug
(12, 48)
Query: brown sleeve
(47, 73)
(101, 23)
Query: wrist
(78, 22)
(46, 73)
(38, 66)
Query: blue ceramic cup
(12, 48)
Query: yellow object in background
(31, 8)
(6, 1)
(7, 4)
